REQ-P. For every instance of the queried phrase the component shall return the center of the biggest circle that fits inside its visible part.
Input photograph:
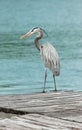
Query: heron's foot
(55, 90)
(44, 91)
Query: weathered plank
(61, 105)
(38, 122)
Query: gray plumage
(50, 58)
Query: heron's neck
(36, 41)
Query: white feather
(50, 58)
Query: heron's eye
(32, 30)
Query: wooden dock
(60, 110)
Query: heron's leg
(54, 82)
(45, 80)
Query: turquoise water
(21, 68)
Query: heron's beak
(25, 35)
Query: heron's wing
(50, 58)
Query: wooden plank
(38, 122)
(63, 105)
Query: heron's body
(48, 53)
(50, 58)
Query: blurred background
(21, 68)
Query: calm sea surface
(21, 68)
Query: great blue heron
(48, 53)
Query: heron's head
(33, 30)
